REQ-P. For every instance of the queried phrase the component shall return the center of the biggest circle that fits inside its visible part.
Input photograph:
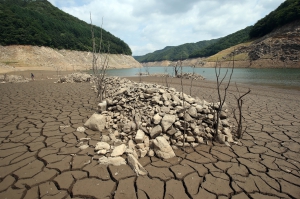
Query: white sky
(149, 25)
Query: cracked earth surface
(39, 157)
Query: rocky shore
(42, 158)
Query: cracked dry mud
(39, 157)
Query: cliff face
(280, 48)
(18, 57)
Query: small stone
(102, 106)
(102, 152)
(199, 139)
(102, 145)
(194, 144)
(199, 108)
(192, 111)
(167, 122)
(85, 146)
(96, 122)
(187, 117)
(162, 148)
(156, 119)
(80, 129)
(116, 161)
(142, 152)
(225, 123)
(190, 139)
(105, 138)
(139, 137)
(151, 153)
(136, 166)
(119, 150)
(146, 141)
(171, 131)
(210, 116)
(156, 131)
(223, 115)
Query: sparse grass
(223, 54)
(9, 62)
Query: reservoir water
(282, 77)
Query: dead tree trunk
(221, 98)
(99, 63)
(239, 120)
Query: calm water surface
(285, 78)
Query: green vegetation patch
(38, 22)
(287, 12)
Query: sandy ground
(38, 135)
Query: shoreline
(43, 74)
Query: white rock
(192, 111)
(225, 123)
(132, 151)
(156, 131)
(119, 150)
(105, 138)
(85, 146)
(80, 129)
(162, 148)
(199, 108)
(102, 145)
(146, 141)
(167, 121)
(151, 153)
(199, 139)
(210, 116)
(190, 139)
(142, 152)
(136, 166)
(156, 119)
(139, 137)
(96, 122)
(116, 161)
(102, 152)
(85, 139)
(102, 106)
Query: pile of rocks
(142, 119)
(13, 79)
(160, 75)
(193, 76)
(75, 77)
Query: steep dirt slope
(18, 57)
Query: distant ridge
(175, 52)
(287, 12)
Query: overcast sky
(149, 25)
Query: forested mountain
(38, 22)
(175, 52)
(287, 12)
(223, 43)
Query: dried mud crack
(40, 157)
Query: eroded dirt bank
(16, 58)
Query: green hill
(223, 43)
(287, 12)
(38, 22)
(175, 52)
